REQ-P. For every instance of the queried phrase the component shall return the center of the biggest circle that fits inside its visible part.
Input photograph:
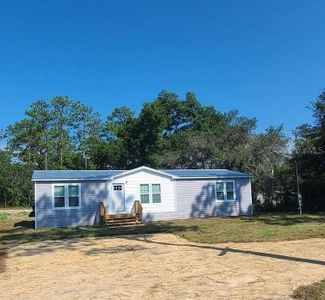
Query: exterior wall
(196, 199)
(180, 199)
(92, 192)
(132, 191)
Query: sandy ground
(160, 266)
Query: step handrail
(102, 210)
(137, 210)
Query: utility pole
(298, 188)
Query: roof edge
(214, 177)
(70, 179)
(146, 169)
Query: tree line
(168, 132)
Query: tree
(41, 117)
(15, 184)
(62, 120)
(22, 140)
(86, 125)
(309, 152)
(168, 132)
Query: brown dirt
(160, 266)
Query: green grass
(3, 216)
(315, 291)
(266, 227)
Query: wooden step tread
(129, 222)
(119, 216)
(120, 221)
(126, 225)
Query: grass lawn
(16, 228)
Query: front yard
(16, 225)
(180, 253)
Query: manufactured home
(73, 197)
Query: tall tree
(168, 132)
(62, 120)
(22, 139)
(86, 125)
(41, 116)
(309, 152)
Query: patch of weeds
(315, 291)
(3, 216)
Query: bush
(315, 291)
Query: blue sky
(265, 58)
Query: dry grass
(10, 218)
(17, 228)
(315, 291)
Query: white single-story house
(71, 197)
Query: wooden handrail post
(102, 212)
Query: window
(230, 190)
(219, 188)
(155, 188)
(117, 187)
(150, 193)
(225, 190)
(144, 193)
(66, 196)
(73, 195)
(59, 196)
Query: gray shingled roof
(106, 174)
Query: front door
(118, 201)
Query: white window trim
(224, 191)
(150, 193)
(66, 196)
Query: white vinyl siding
(164, 192)
(91, 194)
(225, 190)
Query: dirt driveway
(160, 266)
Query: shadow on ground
(285, 219)
(24, 225)
(225, 250)
(69, 238)
(56, 240)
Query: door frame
(112, 197)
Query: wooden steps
(122, 219)
(120, 216)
